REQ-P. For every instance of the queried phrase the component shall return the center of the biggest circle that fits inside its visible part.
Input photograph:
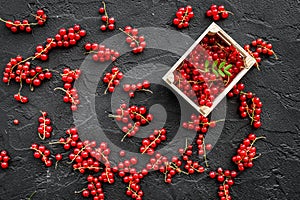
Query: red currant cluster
(199, 123)
(41, 152)
(253, 110)
(20, 69)
(149, 144)
(67, 37)
(4, 158)
(136, 42)
(177, 166)
(100, 52)
(82, 159)
(70, 141)
(226, 177)
(131, 89)
(24, 25)
(138, 114)
(45, 128)
(71, 95)
(22, 72)
(218, 12)
(183, 16)
(134, 190)
(94, 188)
(260, 47)
(109, 21)
(191, 166)
(112, 79)
(250, 105)
(84, 155)
(246, 152)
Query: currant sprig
(109, 21)
(25, 25)
(137, 43)
(183, 16)
(218, 12)
(45, 129)
(112, 79)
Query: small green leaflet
(227, 73)
(221, 73)
(215, 64)
(206, 64)
(215, 72)
(228, 67)
(222, 65)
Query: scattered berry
(16, 122)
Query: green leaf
(227, 73)
(227, 67)
(206, 64)
(221, 73)
(214, 64)
(215, 72)
(222, 64)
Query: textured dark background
(274, 176)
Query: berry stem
(67, 92)
(204, 154)
(141, 116)
(90, 167)
(175, 167)
(11, 23)
(156, 162)
(78, 192)
(32, 194)
(144, 90)
(43, 155)
(39, 18)
(105, 12)
(226, 11)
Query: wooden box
(212, 39)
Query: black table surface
(275, 174)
